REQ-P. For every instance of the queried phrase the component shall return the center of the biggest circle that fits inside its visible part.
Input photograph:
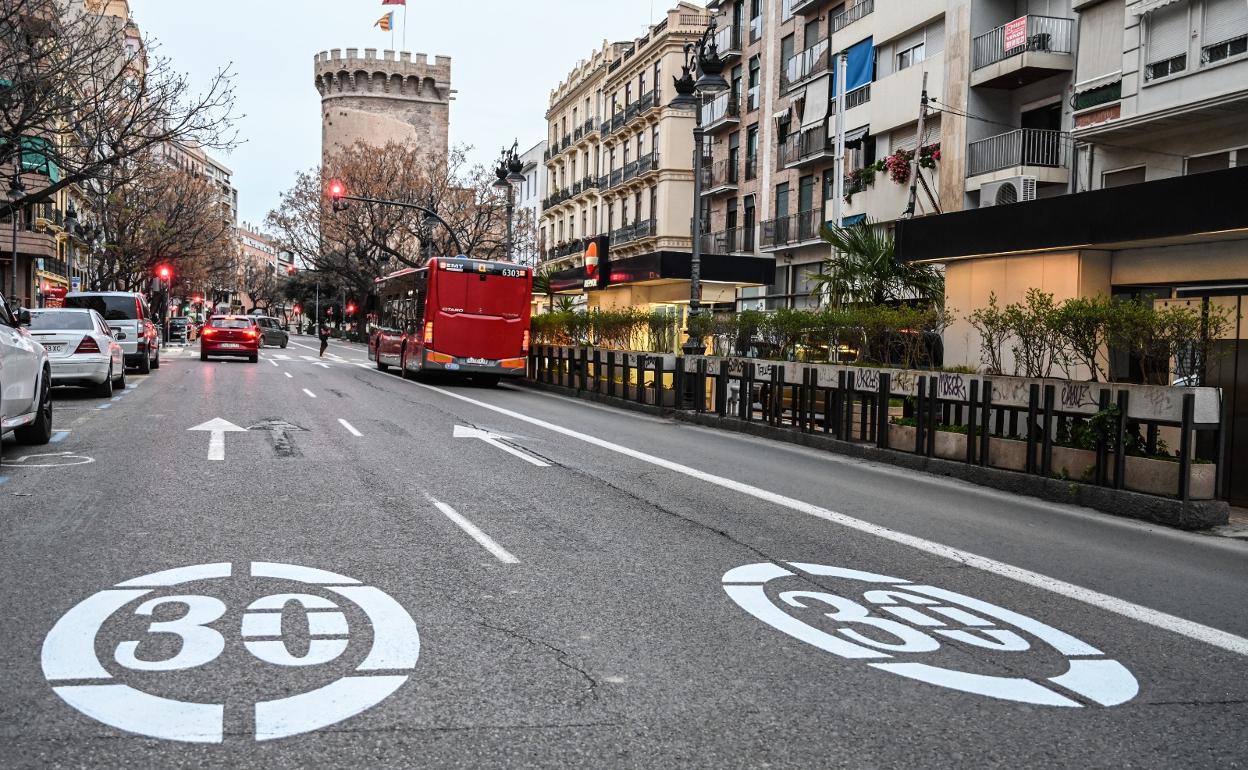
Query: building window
(782, 200)
(1168, 36)
(910, 56)
(1212, 162)
(1123, 176)
(658, 81)
(1224, 30)
(747, 237)
(751, 94)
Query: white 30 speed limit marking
(79, 677)
(897, 619)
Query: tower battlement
(393, 75)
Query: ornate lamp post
(702, 59)
(509, 177)
(72, 232)
(16, 191)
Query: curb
(1191, 515)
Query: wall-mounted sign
(1015, 33)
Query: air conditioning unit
(1012, 190)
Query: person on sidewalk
(324, 335)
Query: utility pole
(838, 179)
(914, 163)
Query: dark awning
(673, 265)
(1172, 208)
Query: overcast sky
(506, 56)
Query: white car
(25, 381)
(81, 348)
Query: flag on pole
(385, 22)
(394, 2)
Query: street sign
(922, 632)
(342, 620)
(75, 284)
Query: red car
(230, 335)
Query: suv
(25, 380)
(272, 331)
(128, 315)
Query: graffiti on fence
(952, 386)
(866, 379)
(1077, 394)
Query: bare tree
(73, 96)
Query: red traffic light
(337, 189)
(297, 310)
(350, 308)
(291, 270)
(164, 272)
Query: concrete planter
(1161, 477)
(949, 446)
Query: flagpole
(404, 26)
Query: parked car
(130, 319)
(230, 335)
(25, 380)
(179, 330)
(271, 331)
(81, 349)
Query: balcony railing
(577, 133)
(751, 167)
(752, 99)
(636, 231)
(728, 41)
(567, 248)
(730, 241)
(719, 176)
(722, 110)
(858, 97)
(617, 177)
(605, 127)
(1047, 34)
(803, 146)
(566, 142)
(1022, 147)
(617, 121)
(792, 230)
(813, 61)
(589, 127)
(852, 14)
(756, 29)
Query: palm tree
(541, 285)
(863, 270)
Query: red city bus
(461, 315)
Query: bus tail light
(428, 332)
(513, 363)
(524, 342)
(438, 358)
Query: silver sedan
(81, 348)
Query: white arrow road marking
(349, 427)
(217, 428)
(474, 532)
(463, 431)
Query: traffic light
(297, 311)
(337, 190)
(350, 308)
(291, 270)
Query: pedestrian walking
(324, 335)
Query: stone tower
(378, 100)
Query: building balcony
(806, 65)
(565, 142)
(756, 29)
(628, 233)
(807, 147)
(1022, 152)
(589, 128)
(751, 168)
(639, 167)
(753, 98)
(1027, 49)
(724, 111)
(566, 249)
(719, 177)
(735, 240)
(728, 43)
(802, 6)
(792, 231)
(852, 14)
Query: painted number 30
(199, 643)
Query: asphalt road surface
(342, 568)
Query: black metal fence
(1158, 440)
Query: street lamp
(71, 229)
(702, 58)
(509, 178)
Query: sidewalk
(1237, 527)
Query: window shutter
(935, 37)
(1168, 32)
(1224, 20)
(1100, 40)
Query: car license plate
(230, 345)
(55, 348)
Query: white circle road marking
(62, 460)
(70, 664)
(917, 613)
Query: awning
(1148, 6)
(853, 219)
(782, 115)
(860, 65)
(816, 102)
(854, 138)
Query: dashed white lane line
(272, 362)
(310, 393)
(288, 374)
(1155, 618)
(474, 532)
(350, 428)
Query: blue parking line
(3, 479)
(59, 436)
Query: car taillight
(524, 342)
(253, 333)
(428, 332)
(88, 345)
(208, 331)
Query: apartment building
(621, 179)
(529, 196)
(1159, 94)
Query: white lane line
(288, 374)
(1155, 618)
(272, 362)
(310, 393)
(486, 542)
(350, 428)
